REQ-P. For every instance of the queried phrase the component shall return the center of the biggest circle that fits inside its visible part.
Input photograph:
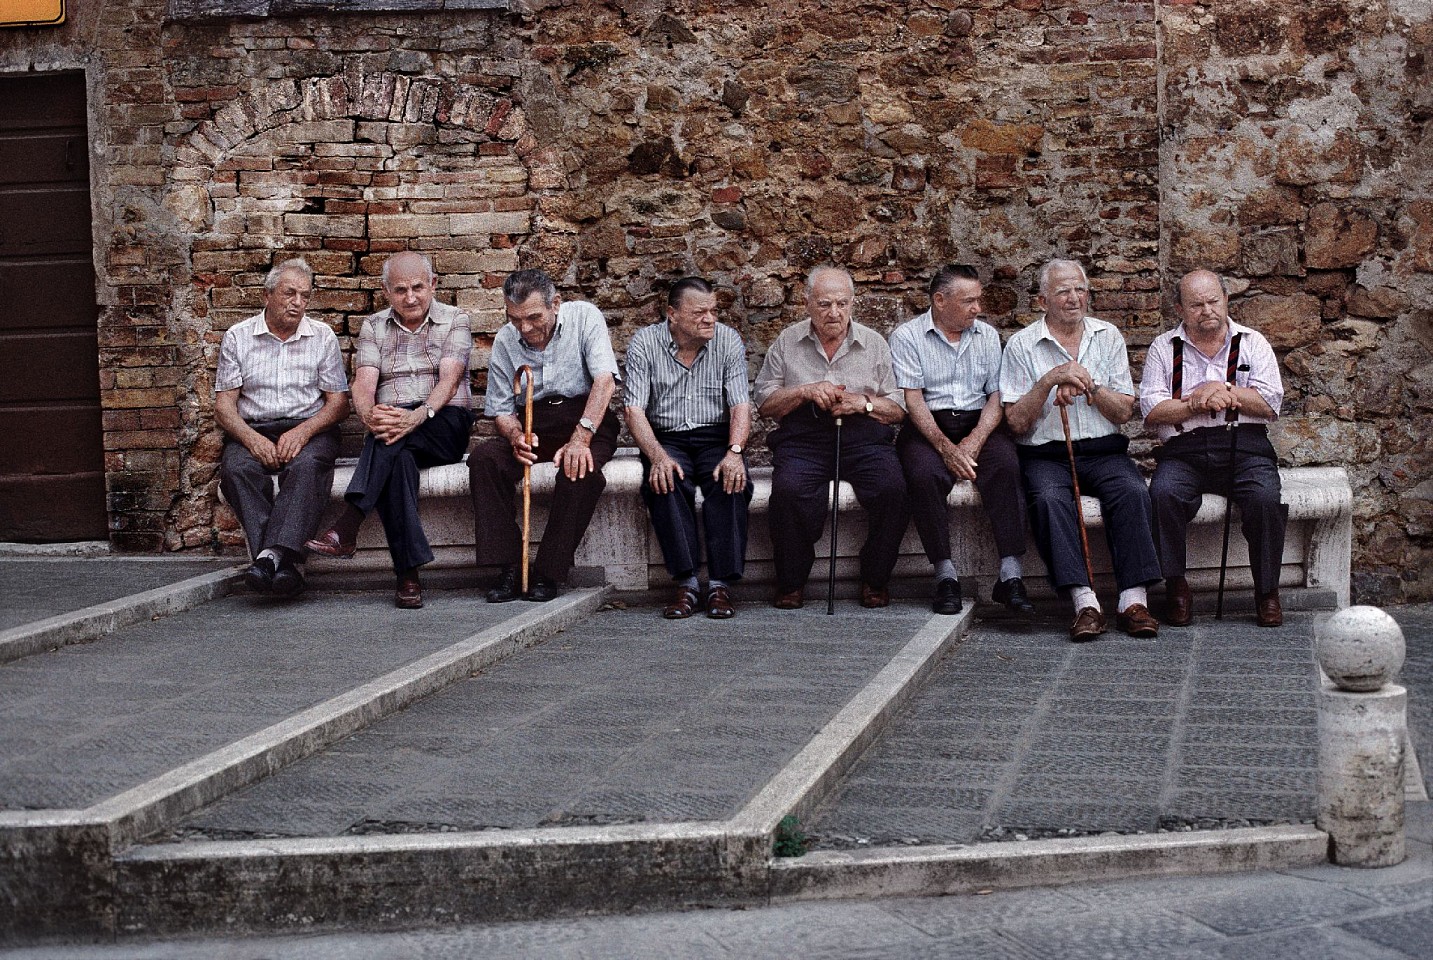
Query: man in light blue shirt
(574, 374)
(948, 363)
(1069, 361)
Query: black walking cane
(835, 522)
(1231, 422)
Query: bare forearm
(783, 401)
(643, 434)
(739, 430)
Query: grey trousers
(293, 515)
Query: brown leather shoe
(683, 605)
(1089, 623)
(788, 599)
(1179, 602)
(1137, 621)
(410, 591)
(329, 544)
(719, 604)
(873, 599)
(1270, 611)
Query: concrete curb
(949, 869)
(81, 626)
(806, 780)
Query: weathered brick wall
(622, 144)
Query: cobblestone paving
(626, 718)
(29, 589)
(88, 721)
(1022, 732)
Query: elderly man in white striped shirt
(280, 393)
(689, 409)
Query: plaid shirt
(407, 362)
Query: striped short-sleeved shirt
(953, 376)
(279, 379)
(407, 361)
(1033, 351)
(676, 397)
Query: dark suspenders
(1176, 375)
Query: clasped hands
(835, 399)
(1071, 381)
(391, 424)
(275, 454)
(1212, 397)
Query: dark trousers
(305, 482)
(1124, 501)
(386, 479)
(1195, 463)
(929, 482)
(674, 514)
(493, 474)
(804, 457)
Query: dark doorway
(51, 443)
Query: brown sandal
(684, 605)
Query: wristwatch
(735, 448)
(870, 407)
(587, 425)
(430, 410)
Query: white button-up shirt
(1258, 369)
(1032, 352)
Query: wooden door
(51, 443)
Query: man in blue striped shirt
(948, 363)
(689, 409)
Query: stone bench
(620, 548)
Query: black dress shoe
(541, 589)
(1012, 594)
(947, 597)
(509, 586)
(259, 575)
(288, 581)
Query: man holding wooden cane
(1074, 363)
(1195, 377)
(574, 373)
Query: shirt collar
(261, 329)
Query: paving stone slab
(32, 590)
(1088, 745)
(633, 733)
(156, 695)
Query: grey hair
(1054, 265)
(828, 268)
(522, 284)
(292, 265)
(423, 257)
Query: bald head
(830, 300)
(408, 284)
(1203, 307)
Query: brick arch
(342, 170)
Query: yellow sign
(32, 13)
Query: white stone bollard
(1363, 721)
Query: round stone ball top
(1360, 648)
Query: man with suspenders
(1205, 378)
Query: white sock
(1132, 596)
(1010, 568)
(272, 554)
(1084, 597)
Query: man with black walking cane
(1210, 388)
(1077, 364)
(819, 369)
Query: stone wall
(622, 144)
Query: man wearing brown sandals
(689, 410)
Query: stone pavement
(1321, 913)
(32, 590)
(627, 718)
(1021, 732)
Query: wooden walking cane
(526, 469)
(1231, 422)
(835, 521)
(1079, 504)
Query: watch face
(735, 448)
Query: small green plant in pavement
(790, 841)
